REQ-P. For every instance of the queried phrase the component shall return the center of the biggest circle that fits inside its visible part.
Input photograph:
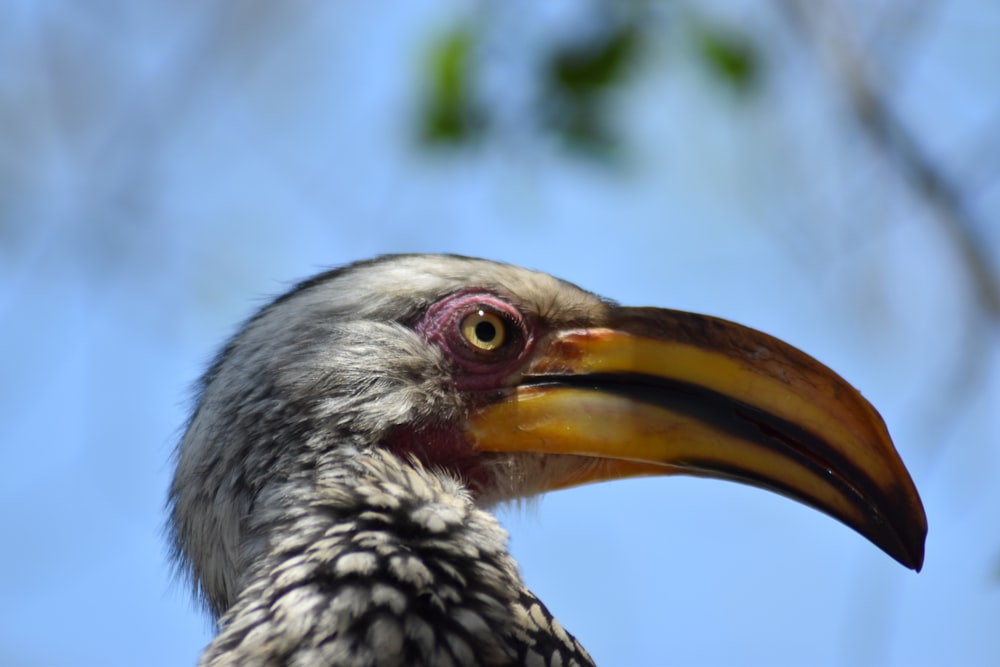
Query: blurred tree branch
(900, 147)
(824, 28)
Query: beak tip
(914, 560)
(917, 562)
(910, 542)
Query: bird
(333, 489)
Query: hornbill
(331, 490)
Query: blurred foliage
(573, 80)
(730, 56)
(579, 78)
(450, 113)
(584, 70)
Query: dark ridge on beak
(885, 510)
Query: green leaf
(594, 66)
(450, 114)
(732, 57)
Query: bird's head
(514, 383)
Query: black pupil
(486, 331)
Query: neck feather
(367, 547)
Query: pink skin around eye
(477, 369)
(476, 372)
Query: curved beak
(658, 392)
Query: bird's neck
(372, 546)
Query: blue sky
(158, 183)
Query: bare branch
(890, 135)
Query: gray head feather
(283, 497)
(333, 362)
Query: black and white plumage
(331, 492)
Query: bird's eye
(482, 334)
(484, 330)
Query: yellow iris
(484, 330)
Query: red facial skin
(480, 375)
(476, 369)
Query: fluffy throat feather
(445, 448)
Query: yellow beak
(659, 392)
